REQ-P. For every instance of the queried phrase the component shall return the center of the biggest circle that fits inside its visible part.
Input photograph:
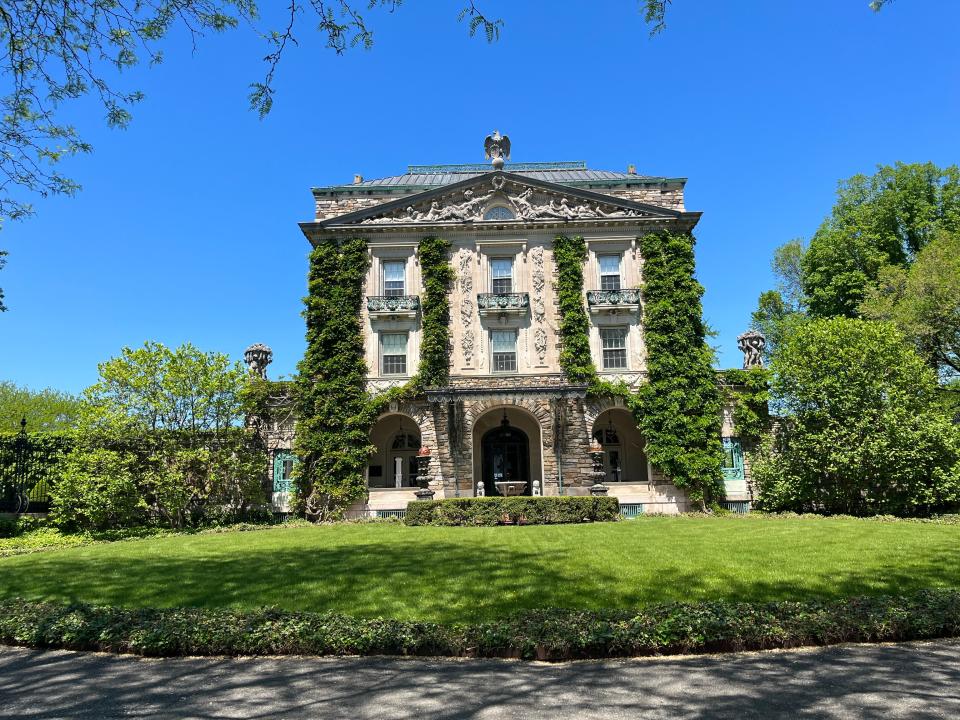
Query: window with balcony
(614, 345)
(609, 272)
(501, 275)
(393, 353)
(503, 347)
(394, 278)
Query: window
(609, 272)
(499, 213)
(732, 459)
(614, 344)
(283, 464)
(501, 274)
(503, 345)
(393, 353)
(394, 278)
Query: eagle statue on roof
(497, 148)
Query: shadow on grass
(432, 580)
(916, 680)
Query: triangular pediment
(498, 197)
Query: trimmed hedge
(542, 634)
(518, 510)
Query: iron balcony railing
(503, 301)
(601, 298)
(393, 303)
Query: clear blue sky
(186, 228)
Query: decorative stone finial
(751, 344)
(497, 148)
(257, 357)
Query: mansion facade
(508, 417)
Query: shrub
(677, 628)
(865, 432)
(513, 511)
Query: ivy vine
(437, 273)
(335, 411)
(679, 409)
(749, 390)
(334, 416)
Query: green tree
(161, 433)
(778, 309)
(878, 220)
(44, 410)
(923, 301)
(864, 429)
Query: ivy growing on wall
(679, 409)
(333, 408)
(437, 275)
(680, 405)
(569, 254)
(750, 392)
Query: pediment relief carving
(526, 202)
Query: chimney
(357, 179)
(631, 169)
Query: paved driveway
(913, 680)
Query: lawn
(450, 574)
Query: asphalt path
(910, 680)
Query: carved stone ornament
(539, 281)
(467, 206)
(466, 303)
(257, 357)
(540, 343)
(751, 344)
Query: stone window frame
(383, 355)
(619, 274)
(625, 330)
(516, 351)
(384, 262)
(491, 260)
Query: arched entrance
(624, 456)
(394, 462)
(506, 457)
(507, 446)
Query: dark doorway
(506, 456)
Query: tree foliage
(158, 439)
(878, 220)
(923, 301)
(44, 410)
(154, 387)
(864, 429)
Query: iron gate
(28, 467)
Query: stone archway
(396, 438)
(624, 447)
(507, 439)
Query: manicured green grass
(449, 574)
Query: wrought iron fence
(29, 464)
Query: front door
(506, 457)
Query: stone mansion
(508, 414)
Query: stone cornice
(683, 222)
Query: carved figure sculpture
(751, 344)
(496, 147)
(257, 357)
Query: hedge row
(541, 634)
(518, 510)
